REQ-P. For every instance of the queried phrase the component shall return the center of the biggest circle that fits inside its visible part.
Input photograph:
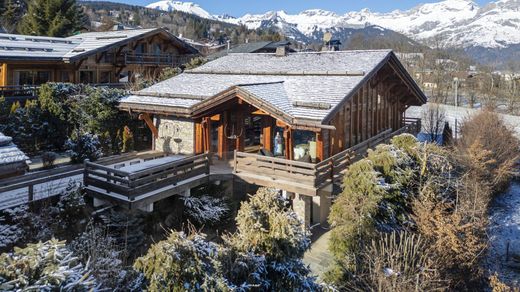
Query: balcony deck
(142, 182)
(308, 178)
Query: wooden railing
(149, 59)
(133, 184)
(309, 174)
(56, 179)
(277, 168)
(19, 92)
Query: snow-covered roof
(9, 153)
(289, 83)
(23, 47)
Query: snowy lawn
(504, 230)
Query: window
(42, 77)
(304, 144)
(157, 49)
(140, 49)
(31, 77)
(65, 76)
(24, 78)
(86, 77)
(105, 77)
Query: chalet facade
(289, 121)
(315, 103)
(93, 57)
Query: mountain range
(447, 24)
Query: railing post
(85, 173)
(235, 160)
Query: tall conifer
(56, 18)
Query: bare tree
(433, 119)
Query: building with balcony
(111, 57)
(292, 121)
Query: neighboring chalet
(95, 57)
(254, 47)
(290, 121)
(12, 160)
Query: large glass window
(31, 77)
(24, 77)
(105, 77)
(86, 77)
(42, 77)
(278, 142)
(304, 145)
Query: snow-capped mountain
(188, 7)
(449, 23)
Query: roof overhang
(184, 45)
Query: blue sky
(240, 7)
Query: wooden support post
(240, 141)
(3, 77)
(206, 128)
(320, 152)
(287, 135)
(199, 148)
(222, 139)
(267, 132)
(146, 118)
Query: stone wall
(176, 135)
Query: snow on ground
(504, 230)
(41, 191)
(456, 115)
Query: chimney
(281, 51)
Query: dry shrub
(397, 261)
(488, 147)
(456, 241)
(499, 286)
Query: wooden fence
(133, 184)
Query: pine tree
(56, 18)
(10, 12)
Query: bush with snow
(205, 209)
(48, 266)
(265, 254)
(82, 147)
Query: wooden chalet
(112, 57)
(290, 121)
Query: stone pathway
(319, 257)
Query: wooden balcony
(308, 178)
(145, 181)
(142, 182)
(149, 59)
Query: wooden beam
(206, 128)
(320, 151)
(260, 112)
(222, 139)
(267, 132)
(215, 118)
(288, 137)
(3, 79)
(146, 118)
(199, 148)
